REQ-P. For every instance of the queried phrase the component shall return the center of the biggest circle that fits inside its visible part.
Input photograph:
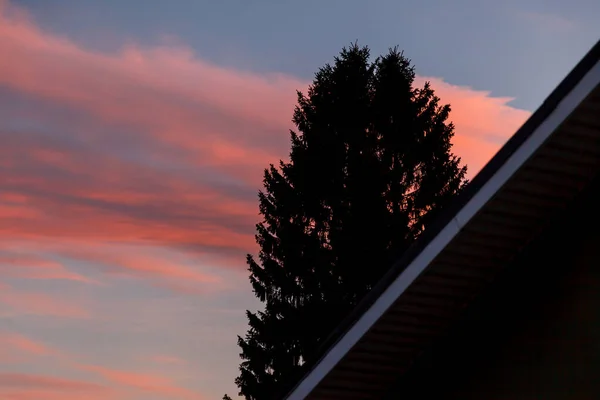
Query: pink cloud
(175, 211)
(172, 270)
(29, 266)
(20, 380)
(38, 394)
(19, 302)
(146, 88)
(150, 383)
(56, 68)
(120, 384)
(180, 271)
(19, 386)
(16, 349)
(548, 22)
(151, 171)
(483, 123)
(169, 360)
(24, 344)
(196, 138)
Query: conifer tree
(370, 165)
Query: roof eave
(555, 110)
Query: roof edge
(534, 132)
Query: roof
(536, 174)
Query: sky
(133, 138)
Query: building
(500, 300)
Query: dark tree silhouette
(370, 165)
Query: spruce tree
(370, 165)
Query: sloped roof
(535, 175)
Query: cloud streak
(30, 266)
(118, 383)
(150, 383)
(24, 344)
(167, 148)
(142, 166)
(14, 301)
(547, 22)
(15, 386)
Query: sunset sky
(133, 137)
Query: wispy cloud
(31, 266)
(150, 383)
(16, 301)
(548, 22)
(24, 344)
(166, 149)
(142, 164)
(483, 122)
(165, 359)
(16, 349)
(15, 386)
(118, 383)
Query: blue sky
(513, 48)
(134, 137)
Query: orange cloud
(174, 270)
(29, 266)
(16, 349)
(170, 360)
(19, 380)
(37, 394)
(144, 163)
(119, 202)
(179, 271)
(160, 148)
(120, 384)
(150, 383)
(24, 344)
(18, 386)
(483, 123)
(164, 90)
(18, 302)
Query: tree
(370, 165)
